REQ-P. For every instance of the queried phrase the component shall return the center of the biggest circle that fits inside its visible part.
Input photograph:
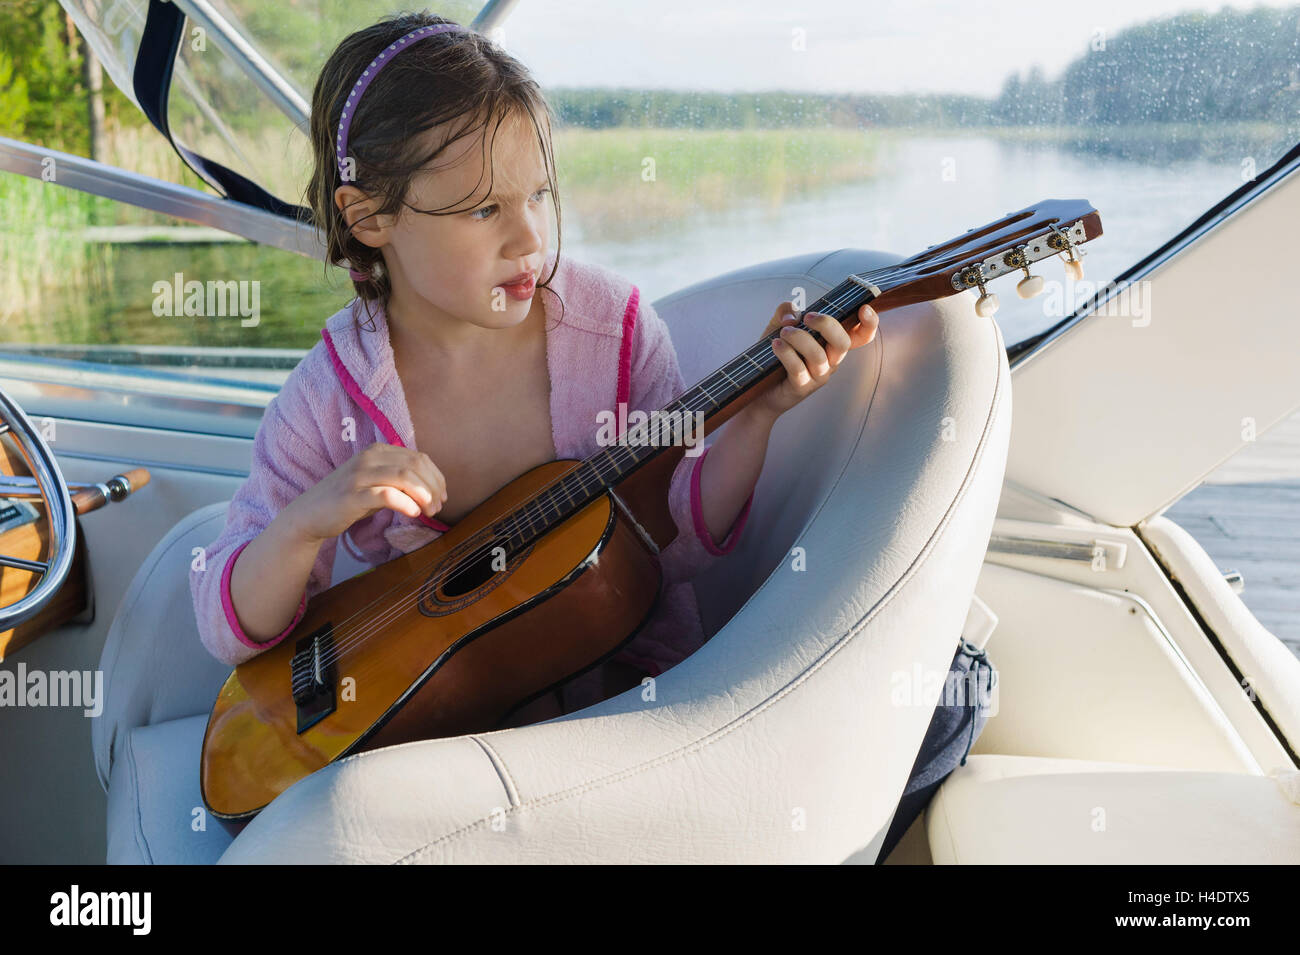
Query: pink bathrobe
(608, 347)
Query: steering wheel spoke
(21, 563)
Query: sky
(886, 46)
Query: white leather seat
(155, 811)
(781, 740)
(1036, 810)
(160, 686)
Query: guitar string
(360, 635)
(532, 509)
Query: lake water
(927, 190)
(930, 190)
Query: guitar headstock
(1010, 244)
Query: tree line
(1193, 67)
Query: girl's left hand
(809, 365)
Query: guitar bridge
(313, 676)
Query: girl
(451, 373)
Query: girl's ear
(358, 211)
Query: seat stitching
(512, 792)
(141, 840)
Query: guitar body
(431, 660)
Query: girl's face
(456, 266)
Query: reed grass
(58, 286)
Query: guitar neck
(967, 262)
(699, 409)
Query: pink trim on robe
(624, 387)
(624, 390)
(378, 417)
(228, 605)
(697, 512)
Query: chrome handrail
(62, 517)
(279, 89)
(19, 487)
(158, 195)
(249, 60)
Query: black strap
(979, 661)
(164, 30)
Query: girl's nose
(529, 234)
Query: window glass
(218, 111)
(84, 277)
(769, 130)
(87, 278)
(692, 140)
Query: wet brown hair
(440, 79)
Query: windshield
(693, 139)
(244, 72)
(779, 130)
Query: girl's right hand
(383, 475)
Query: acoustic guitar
(548, 577)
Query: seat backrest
(789, 735)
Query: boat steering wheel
(59, 512)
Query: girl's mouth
(523, 290)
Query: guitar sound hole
(471, 574)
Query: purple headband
(363, 82)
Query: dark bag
(958, 720)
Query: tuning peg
(1030, 285)
(1061, 242)
(987, 303)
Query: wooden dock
(1247, 517)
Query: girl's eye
(475, 213)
